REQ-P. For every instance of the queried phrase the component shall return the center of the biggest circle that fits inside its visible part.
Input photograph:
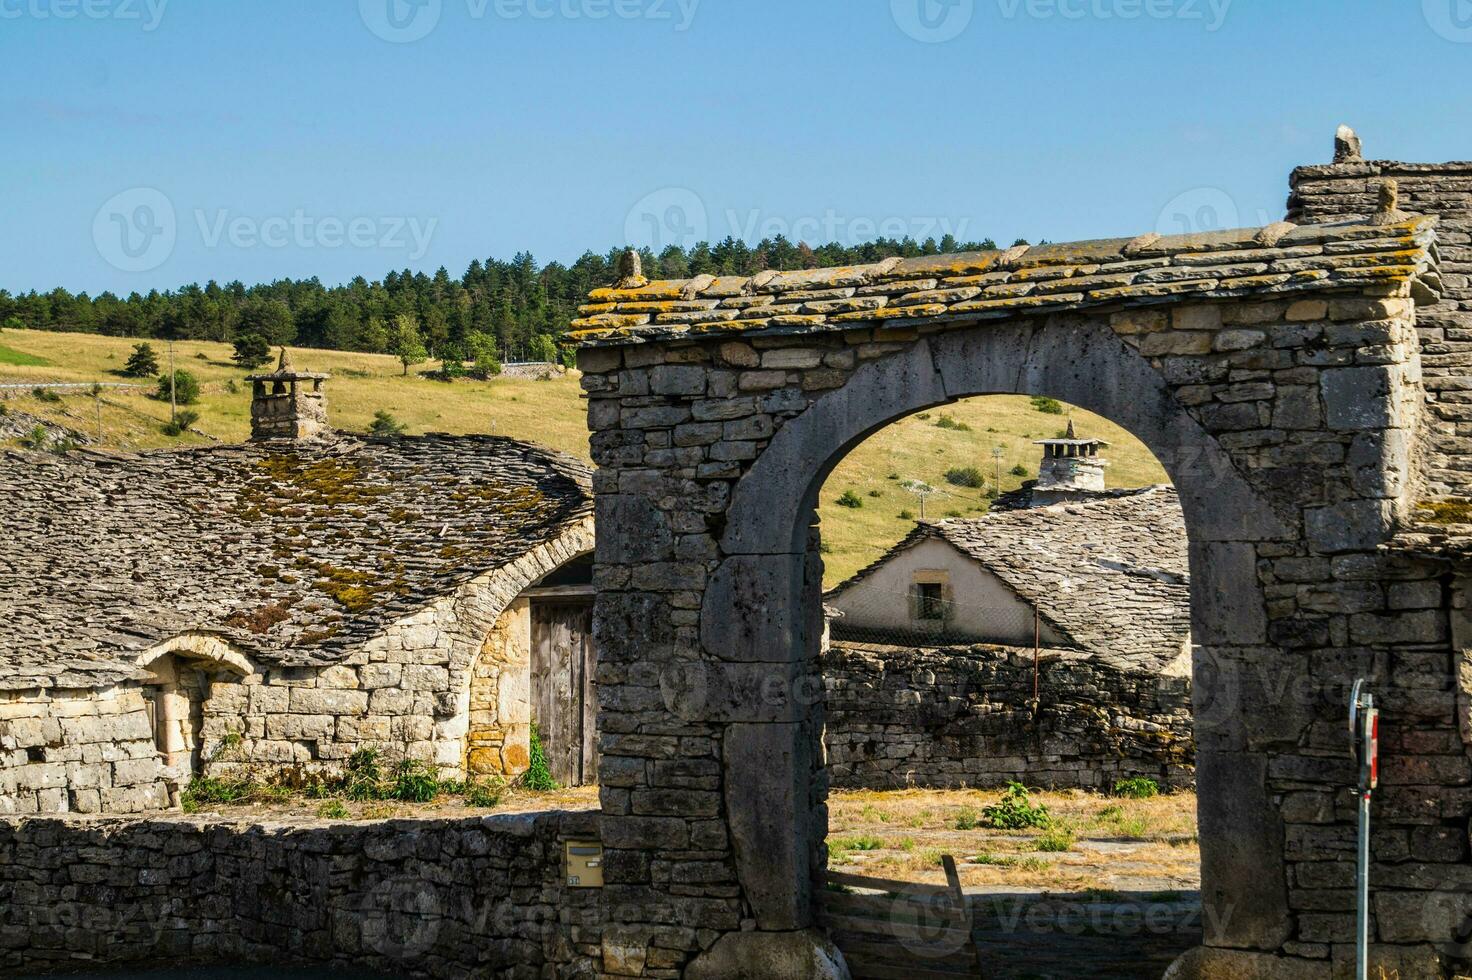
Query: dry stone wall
(78, 751)
(447, 898)
(954, 717)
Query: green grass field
(553, 413)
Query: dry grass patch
(1090, 842)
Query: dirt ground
(1117, 845)
(1112, 845)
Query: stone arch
(1275, 374)
(493, 623)
(763, 604)
(181, 678)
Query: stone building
(282, 603)
(1047, 644)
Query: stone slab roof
(294, 552)
(967, 287)
(1111, 575)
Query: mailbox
(584, 864)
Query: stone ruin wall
(479, 897)
(964, 717)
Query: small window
(930, 601)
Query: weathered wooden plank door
(563, 701)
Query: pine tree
(142, 363)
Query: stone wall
(78, 751)
(449, 898)
(1288, 424)
(899, 717)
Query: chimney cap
(286, 372)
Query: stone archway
(1274, 373)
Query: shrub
(1137, 788)
(385, 424)
(1016, 811)
(850, 499)
(332, 810)
(13, 323)
(413, 782)
(1019, 470)
(203, 790)
(45, 395)
(966, 476)
(946, 422)
(251, 351)
(538, 775)
(1048, 406)
(37, 438)
(142, 363)
(362, 778)
(907, 515)
(966, 819)
(484, 795)
(185, 386)
(875, 494)
(183, 421)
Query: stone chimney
(1071, 469)
(288, 404)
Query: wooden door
(564, 706)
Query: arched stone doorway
(1283, 404)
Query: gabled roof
(964, 288)
(294, 552)
(1110, 575)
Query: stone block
(770, 763)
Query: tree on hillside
(251, 351)
(142, 363)
(482, 350)
(13, 323)
(405, 342)
(267, 318)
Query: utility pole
(97, 403)
(173, 380)
(997, 453)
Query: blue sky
(152, 143)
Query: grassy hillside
(549, 412)
(922, 447)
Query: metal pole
(173, 380)
(1362, 915)
(1364, 737)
